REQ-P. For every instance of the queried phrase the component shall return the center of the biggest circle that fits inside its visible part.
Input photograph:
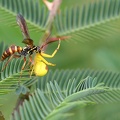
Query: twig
(53, 8)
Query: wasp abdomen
(11, 50)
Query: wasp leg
(30, 61)
(24, 63)
(10, 58)
(53, 54)
(31, 65)
(17, 56)
(23, 66)
(31, 71)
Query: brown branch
(53, 7)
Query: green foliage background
(94, 44)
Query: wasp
(39, 65)
(17, 51)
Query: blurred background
(94, 44)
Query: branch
(53, 8)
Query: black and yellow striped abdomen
(11, 50)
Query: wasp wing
(23, 26)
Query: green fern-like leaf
(63, 90)
(31, 10)
(63, 77)
(55, 100)
(11, 77)
(95, 20)
(66, 90)
(68, 79)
